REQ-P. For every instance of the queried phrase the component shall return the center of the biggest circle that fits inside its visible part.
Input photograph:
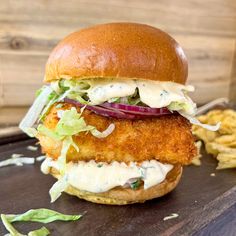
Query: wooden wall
(30, 29)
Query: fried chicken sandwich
(114, 119)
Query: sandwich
(114, 118)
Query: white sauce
(101, 177)
(104, 89)
(155, 94)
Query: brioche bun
(118, 50)
(123, 196)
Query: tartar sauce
(101, 177)
(155, 94)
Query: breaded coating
(167, 139)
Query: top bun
(118, 50)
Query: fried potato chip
(205, 135)
(227, 140)
(222, 143)
(196, 160)
(226, 160)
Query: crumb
(213, 174)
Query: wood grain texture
(209, 58)
(215, 17)
(29, 30)
(199, 199)
(232, 94)
(222, 225)
(11, 115)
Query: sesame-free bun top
(118, 50)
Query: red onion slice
(102, 111)
(122, 111)
(138, 110)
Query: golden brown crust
(167, 139)
(118, 50)
(123, 196)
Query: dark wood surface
(206, 205)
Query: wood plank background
(30, 29)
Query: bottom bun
(123, 196)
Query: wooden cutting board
(206, 205)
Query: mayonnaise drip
(101, 177)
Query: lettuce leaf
(9, 226)
(35, 110)
(96, 133)
(185, 106)
(39, 232)
(41, 215)
(42, 129)
(18, 161)
(57, 188)
(71, 123)
(195, 121)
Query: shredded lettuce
(185, 106)
(18, 161)
(178, 106)
(58, 187)
(40, 158)
(114, 100)
(66, 144)
(35, 110)
(52, 99)
(36, 215)
(96, 133)
(39, 232)
(184, 109)
(78, 97)
(42, 129)
(71, 123)
(9, 226)
(42, 215)
(195, 121)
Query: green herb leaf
(135, 185)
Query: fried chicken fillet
(167, 139)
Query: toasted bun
(118, 50)
(123, 196)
